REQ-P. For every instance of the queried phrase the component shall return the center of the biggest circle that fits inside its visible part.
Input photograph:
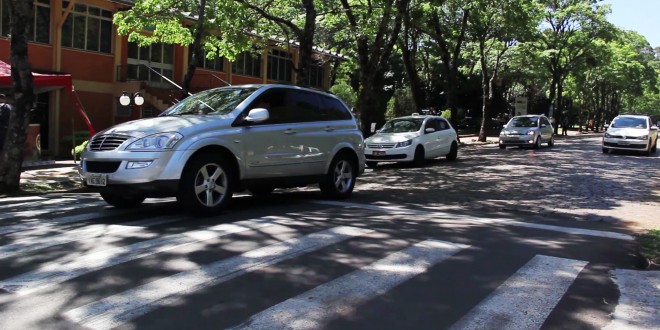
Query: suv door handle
(289, 131)
(329, 128)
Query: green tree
(189, 23)
(373, 27)
(11, 158)
(495, 26)
(568, 33)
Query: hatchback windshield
(524, 122)
(402, 125)
(629, 122)
(212, 102)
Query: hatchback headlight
(643, 137)
(403, 144)
(531, 132)
(607, 135)
(155, 142)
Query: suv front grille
(101, 167)
(107, 142)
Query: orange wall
(239, 80)
(90, 66)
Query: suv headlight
(403, 144)
(155, 142)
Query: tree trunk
(11, 158)
(197, 57)
(306, 46)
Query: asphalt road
(499, 239)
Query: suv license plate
(97, 180)
(379, 153)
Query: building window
(158, 56)
(39, 29)
(248, 64)
(315, 76)
(279, 65)
(217, 64)
(88, 28)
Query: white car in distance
(414, 139)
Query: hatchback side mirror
(429, 130)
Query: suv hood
(628, 131)
(147, 126)
(391, 137)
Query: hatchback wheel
(122, 201)
(372, 164)
(537, 143)
(206, 184)
(453, 152)
(419, 156)
(340, 179)
(551, 143)
(502, 146)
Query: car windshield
(402, 125)
(629, 122)
(212, 102)
(524, 122)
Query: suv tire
(340, 179)
(206, 184)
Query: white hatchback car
(631, 132)
(216, 142)
(412, 139)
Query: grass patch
(649, 245)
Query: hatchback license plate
(379, 153)
(97, 180)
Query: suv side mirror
(257, 115)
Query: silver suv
(220, 141)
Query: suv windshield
(402, 125)
(524, 122)
(629, 122)
(212, 102)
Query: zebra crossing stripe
(441, 216)
(314, 308)
(525, 300)
(115, 310)
(54, 273)
(36, 243)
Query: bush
(649, 245)
(77, 151)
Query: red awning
(40, 80)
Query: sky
(642, 16)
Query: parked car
(412, 139)
(527, 130)
(217, 142)
(631, 132)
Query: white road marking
(314, 308)
(36, 243)
(479, 220)
(51, 274)
(525, 300)
(115, 310)
(639, 303)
